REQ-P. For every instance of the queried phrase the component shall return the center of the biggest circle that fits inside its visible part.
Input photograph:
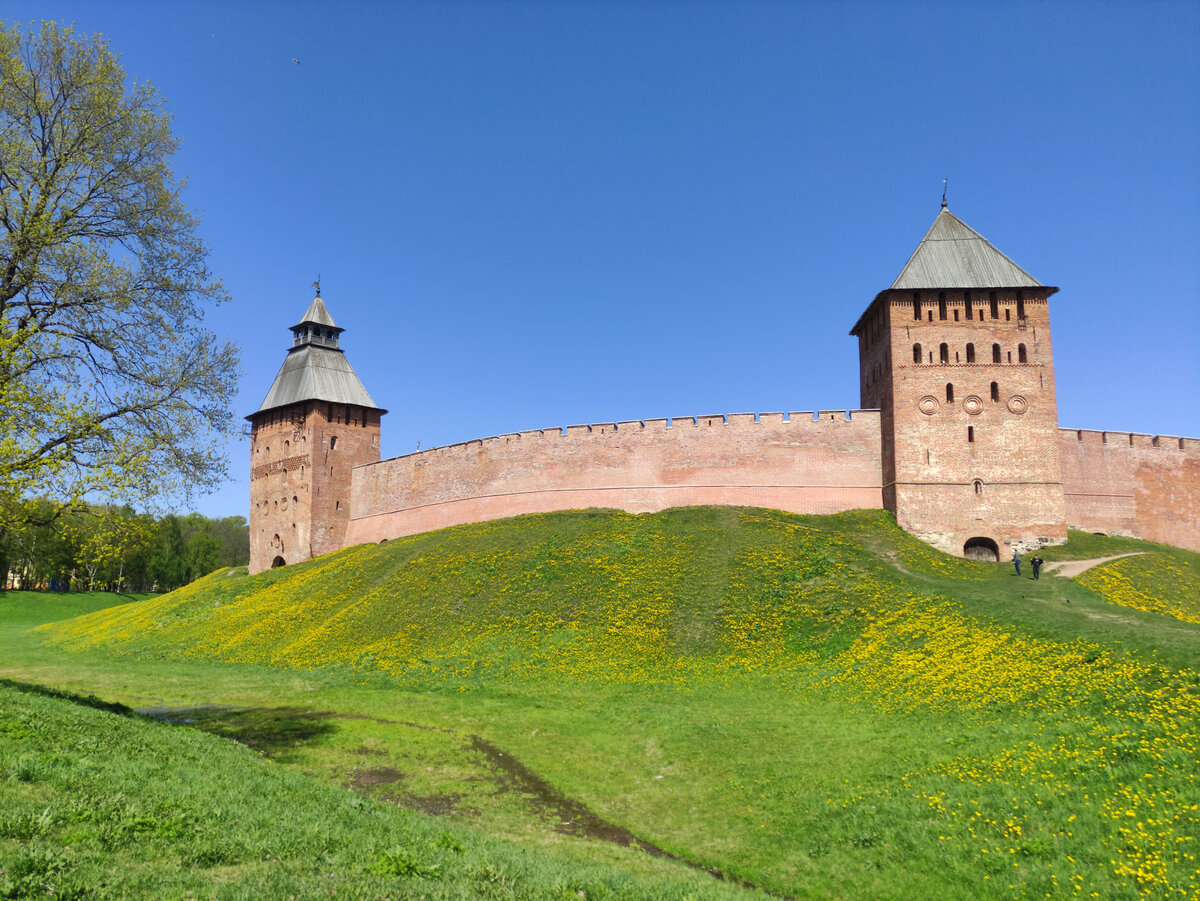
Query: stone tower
(316, 424)
(956, 355)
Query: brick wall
(1129, 484)
(965, 381)
(280, 479)
(797, 464)
(302, 457)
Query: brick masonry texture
(1129, 484)
(958, 437)
(302, 457)
(801, 464)
(965, 383)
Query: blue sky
(535, 214)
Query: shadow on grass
(75, 698)
(272, 731)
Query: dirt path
(1071, 568)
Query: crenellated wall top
(797, 419)
(1119, 440)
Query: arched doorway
(982, 549)
(278, 562)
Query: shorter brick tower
(315, 425)
(956, 355)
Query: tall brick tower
(956, 355)
(316, 424)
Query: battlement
(973, 460)
(858, 420)
(805, 461)
(1130, 483)
(1117, 440)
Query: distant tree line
(107, 548)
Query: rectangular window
(970, 434)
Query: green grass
(101, 803)
(822, 706)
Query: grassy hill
(822, 706)
(101, 803)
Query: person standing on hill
(1037, 566)
(1017, 560)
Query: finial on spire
(316, 286)
(945, 187)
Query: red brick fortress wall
(301, 458)
(1141, 485)
(344, 436)
(965, 380)
(800, 464)
(280, 486)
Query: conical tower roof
(316, 367)
(954, 255)
(318, 314)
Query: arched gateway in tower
(958, 436)
(316, 424)
(956, 356)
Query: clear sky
(536, 214)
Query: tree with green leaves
(111, 388)
(102, 540)
(167, 565)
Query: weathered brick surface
(1129, 484)
(959, 438)
(964, 459)
(800, 465)
(300, 478)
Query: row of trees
(116, 549)
(112, 391)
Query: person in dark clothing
(1037, 565)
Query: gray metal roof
(954, 255)
(318, 314)
(316, 373)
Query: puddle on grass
(180, 716)
(270, 730)
(365, 780)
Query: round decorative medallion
(928, 405)
(1017, 404)
(973, 405)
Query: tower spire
(945, 188)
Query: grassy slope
(107, 804)
(821, 705)
(98, 802)
(694, 593)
